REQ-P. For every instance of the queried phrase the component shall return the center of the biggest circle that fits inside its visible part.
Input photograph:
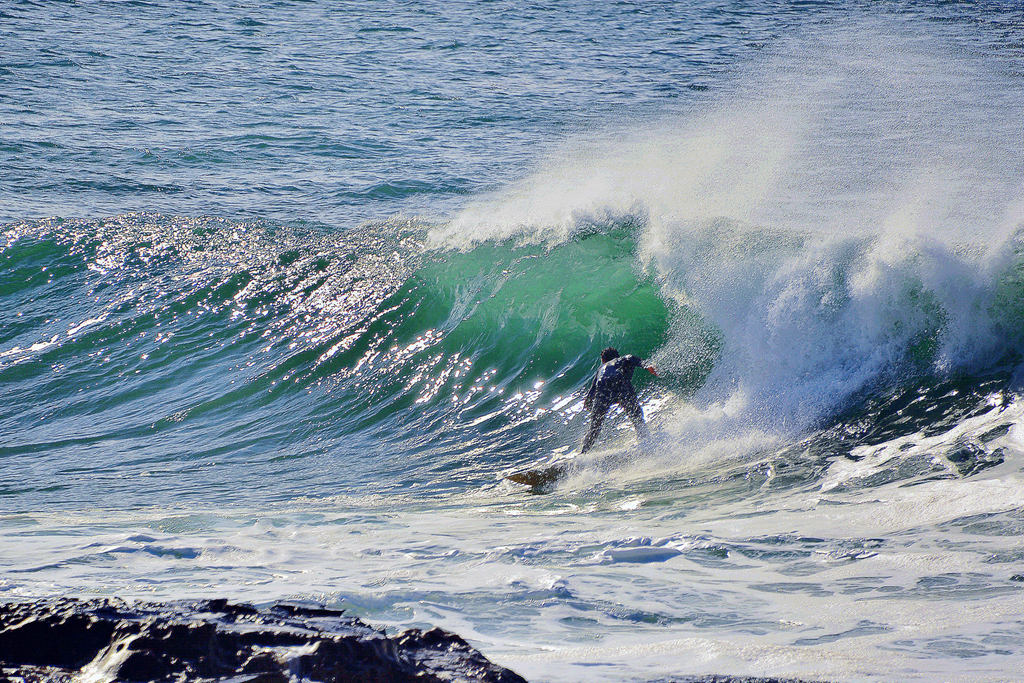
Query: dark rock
(54, 640)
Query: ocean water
(285, 288)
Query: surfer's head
(609, 354)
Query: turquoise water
(287, 287)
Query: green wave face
(538, 314)
(504, 331)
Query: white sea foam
(866, 583)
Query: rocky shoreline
(65, 640)
(92, 641)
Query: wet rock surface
(214, 640)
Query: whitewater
(287, 289)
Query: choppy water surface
(286, 288)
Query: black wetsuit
(613, 384)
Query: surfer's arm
(637, 362)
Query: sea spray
(839, 215)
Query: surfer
(613, 384)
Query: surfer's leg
(596, 419)
(636, 416)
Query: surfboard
(538, 477)
(544, 472)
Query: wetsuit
(613, 384)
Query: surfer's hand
(650, 369)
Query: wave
(200, 339)
(834, 229)
(844, 215)
(174, 342)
